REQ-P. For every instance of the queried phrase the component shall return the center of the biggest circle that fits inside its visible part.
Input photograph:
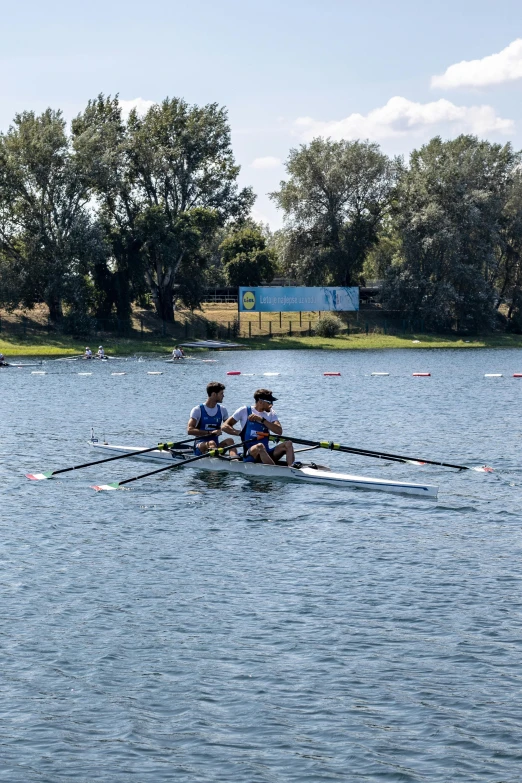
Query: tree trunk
(164, 303)
(55, 309)
(123, 303)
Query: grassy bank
(46, 346)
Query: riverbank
(62, 345)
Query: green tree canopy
(48, 237)
(334, 200)
(166, 181)
(246, 258)
(448, 214)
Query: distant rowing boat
(307, 474)
(210, 344)
(27, 364)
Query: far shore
(68, 346)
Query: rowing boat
(307, 473)
(27, 364)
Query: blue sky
(286, 71)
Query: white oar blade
(414, 462)
(39, 476)
(483, 469)
(108, 487)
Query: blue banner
(277, 299)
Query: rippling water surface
(203, 627)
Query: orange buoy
(421, 374)
(233, 372)
(331, 373)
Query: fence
(189, 326)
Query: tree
(246, 258)
(101, 144)
(448, 215)
(48, 238)
(166, 181)
(507, 275)
(334, 201)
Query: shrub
(329, 325)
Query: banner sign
(284, 299)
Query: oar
(210, 453)
(323, 444)
(50, 473)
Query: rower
(88, 353)
(3, 362)
(205, 421)
(177, 353)
(258, 422)
(101, 353)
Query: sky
(395, 73)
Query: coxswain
(205, 421)
(3, 362)
(258, 422)
(88, 353)
(101, 353)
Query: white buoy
(118, 373)
(271, 373)
(38, 372)
(156, 372)
(380, 373)
(493, 375)
(85, 373)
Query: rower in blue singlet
(258, 422)
(205, 421)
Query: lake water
(203, 627)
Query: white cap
(100, 346)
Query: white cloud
(266, 163)
(401, 117)
(504, 66)
(140, 104)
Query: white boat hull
(258, 470)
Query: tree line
(116, 211)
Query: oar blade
(414, 462)
(40, 476)
(483, 469)
(106, 487)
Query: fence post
(300, 318)
(270, 328)
(228, 330)
(24, 321)
(280, 320)
(250, 329)
(290, 328)
(260, 320)
(309, 328)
